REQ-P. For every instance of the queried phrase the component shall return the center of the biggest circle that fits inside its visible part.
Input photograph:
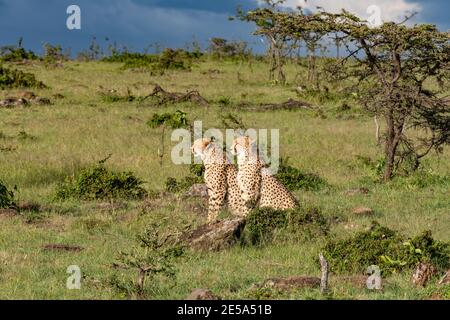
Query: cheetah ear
(249, 141)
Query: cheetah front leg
(217, 189)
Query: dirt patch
(62, 247)
(294, 282)
(358, 281)
(202, 294)
(290, 104)
(111, 206)
(8, 213)
(363, 211)
(356, 191)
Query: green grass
(83, 128)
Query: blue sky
(171, 23)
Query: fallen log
(290, 104)
(177, 97)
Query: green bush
(53, 53)
(16, 54)
(265, 225)
(386, 248)
(13, 78)
(6, 197)
(174, 120)
(169, 59)
(97, 182)
(294, 179)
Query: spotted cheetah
(257, 184)
(220, 179)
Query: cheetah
(220, 179)
(257, 184)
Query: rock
(423, 273)
(202, 294)
(216, 235)
(363, 211)
(294, 282)
(13, 102)
(198, 190)
(354, 192)
(445, 279)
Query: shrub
(294, 179)
(386, 248)
(155, 253)
(53, 54)
(6, 197)
(13, 78)
(16, 54)
(174, 120)
(222, 48)
(264, 225)
(169, 59)
(97, 182)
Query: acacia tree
(270, 24)
(403, 74)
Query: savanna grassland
(43, 144)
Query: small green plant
(156, 253)
(174, 120)
(6, 197)
(13, 78)
(386, 248)
(294, 179)
(264, 225)
(98, 182)
(23, 135)
(224, 101)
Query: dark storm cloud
(138, 23)
(219, 6)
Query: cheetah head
(207, 150)
(244, 148)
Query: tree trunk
(392, 141)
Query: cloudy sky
(171, 23)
